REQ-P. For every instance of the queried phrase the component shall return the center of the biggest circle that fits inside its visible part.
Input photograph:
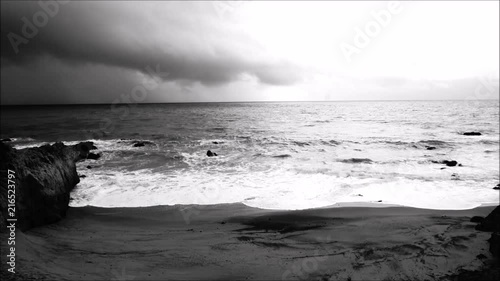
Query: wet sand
(236, 242)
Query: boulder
(43, 178)
(210, 153)
(93, 156)
(491, 222)
(451, 163)
(430, 147)
(497, 187)
(472, 134)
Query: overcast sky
(138, 51)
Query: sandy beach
(236, 242)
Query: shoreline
(234, 242)
(335, 205)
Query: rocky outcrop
(44, 178)
(93, 156)
(495, 244)
(492, 223)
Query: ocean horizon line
(235, 102)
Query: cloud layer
(95, 51)
(184, 39)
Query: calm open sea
(275, 155)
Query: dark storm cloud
(186, 40)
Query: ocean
(275, 155)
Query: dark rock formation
(44, 177)
(210, 153)
(141, 143)
(497, 187)
(495, 244)
(451, 163)
(491, 222)
(477, 219)
(430, 147)
(472, 134)
(93, 156)
(6, 139)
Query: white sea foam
(274, 190)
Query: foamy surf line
(144, 188)
(205, 181)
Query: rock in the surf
(497, 187)
(449, 163)
(357, 160)
(6, 139)
(141, 143)
(210, 153)
(43, 178)
(93, 156)
(472, 134)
